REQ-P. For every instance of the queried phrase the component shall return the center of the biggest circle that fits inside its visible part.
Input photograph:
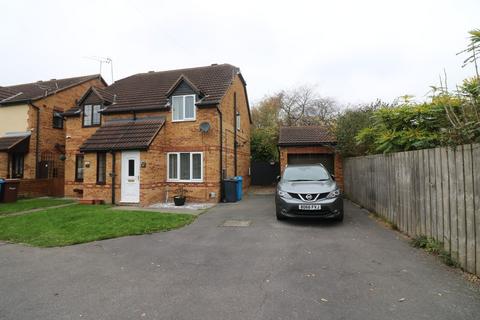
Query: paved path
(268, 270)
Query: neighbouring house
(309, 145)
(32, 134)
(150, 136)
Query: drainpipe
(37, 139)
(113, 176)
(235, 133)
(221, 156)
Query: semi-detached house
(146, 137)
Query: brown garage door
(325, 159)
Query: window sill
(186, 120)
(92, 126)
(101, 183)
(184, 181)
(78, 180)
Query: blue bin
(2, 191)
(239, 180)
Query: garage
(312, 158)
(310, 145)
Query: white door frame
(130, 183)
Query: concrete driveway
(268, 270)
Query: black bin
(230, 190)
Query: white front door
(131, 176)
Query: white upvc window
(183, 108)
(238, 121)
(185, 166)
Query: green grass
(29, 204)
(434, 247)
(84, 223)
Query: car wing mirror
(278, 178)
(333, 177)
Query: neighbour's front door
(131, 176)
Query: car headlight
(284, 194)
(334, 194)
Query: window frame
(191, 180)
(13, 164)
(238, 121)
(104, 176)
(77, 157)
(92, 108)
(194, 118)
(57, 115)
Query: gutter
(37, 139)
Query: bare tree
(303, 106)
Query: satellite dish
(204, 127)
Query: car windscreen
(305, 173)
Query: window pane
(172, 166)
(177, 108)
(96, 114)
(101, 168)
(87, 115)
(131, 168)
(196, 166)
(189, 107)
(185, 166)
(79, 168)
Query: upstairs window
(57, 120)
(183, 108)
(91, 115)
(237, 120)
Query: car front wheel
(280, 216)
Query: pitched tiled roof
(40, 89)
(8, 143)
(124, 135)
(305, 136)
(5, 93)
(149, 91)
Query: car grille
(303, 196)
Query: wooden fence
(432, 192)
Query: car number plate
(309, 207)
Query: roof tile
(305, 136)
(124, 135)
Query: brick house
(32, 136)
(146, 136)
(308, 145)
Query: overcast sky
(354, 51)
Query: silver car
(308, 191)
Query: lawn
(29, 204)
(84, 223)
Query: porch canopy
(14, 144)
(124, 135)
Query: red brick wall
(40, 187)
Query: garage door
(325, 159)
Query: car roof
(305, 165)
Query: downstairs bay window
(185, 166)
